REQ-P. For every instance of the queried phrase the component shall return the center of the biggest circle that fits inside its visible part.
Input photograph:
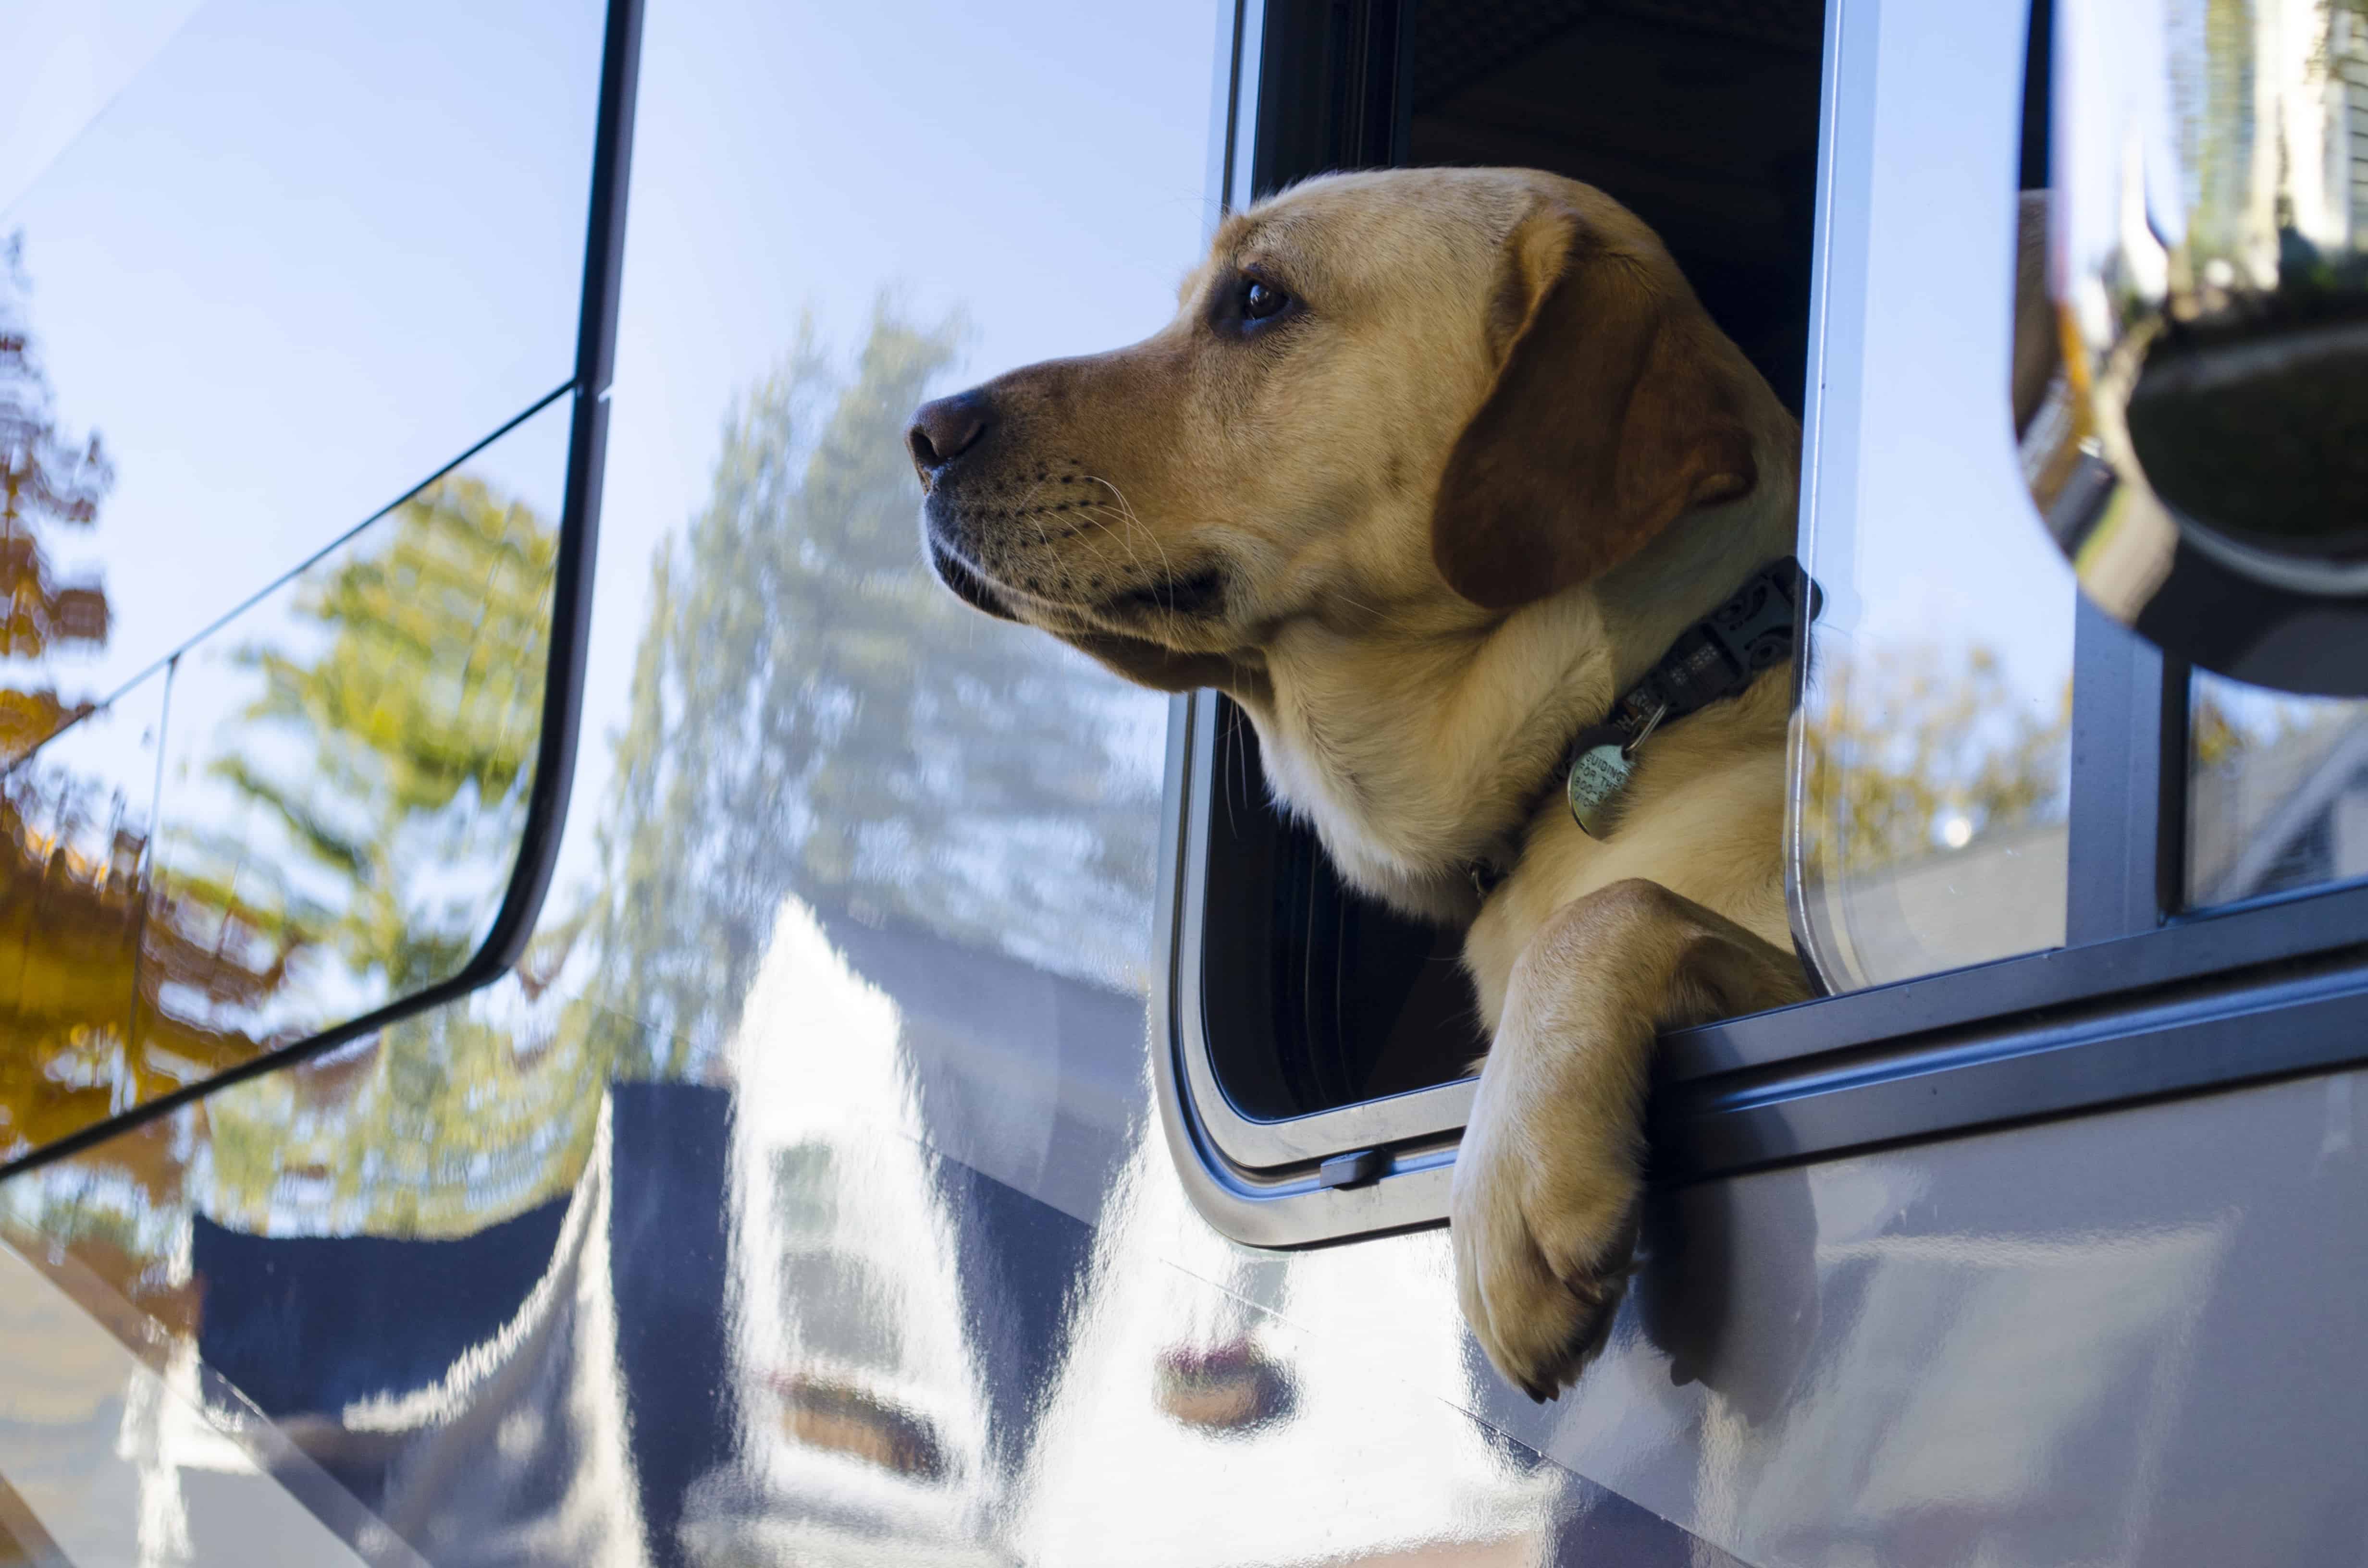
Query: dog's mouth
(1197, 593)
(965, 584)
(1193, 596)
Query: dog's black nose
(945, 429)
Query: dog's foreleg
(1550, 1175)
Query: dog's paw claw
(1540, 1327)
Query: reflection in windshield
(812, 713)
(51, 482)
(2277, 790)
(305, 257)
(344, 776)
(347, 776)
(1933, 796)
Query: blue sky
(295, 267)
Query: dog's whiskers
(1133, 523)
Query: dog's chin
(966, 584)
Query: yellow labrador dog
(1436, 472)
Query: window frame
(2146, 999)
(547, 800)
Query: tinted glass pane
(1931, 777)
(2277, 792)
(75, 821)
(808, 726)
(349, 759)
(308, 254)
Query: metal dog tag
(1599, 767)
(1600, 761)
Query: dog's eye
(1262, 300)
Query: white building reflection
(1224, 1408)
(1183, 1419)
(861, 1419)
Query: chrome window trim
(1286, 1203)
(1246, 1142)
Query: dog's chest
(1713, 833)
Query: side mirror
(2203, 454)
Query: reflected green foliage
(813, 714)
(419, 717)
(427, 698)
(441, 1124)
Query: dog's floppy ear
(1613, 412)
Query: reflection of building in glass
(2313, 62)
(468, 1394)
(2269, 105)
(2350, 51)
(1195, 1424)
(2278, 798)
(2273, 117)
(862, 1431)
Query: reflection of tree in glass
(437, 1126)
(1911, 750)
(70, 856)
(46, 479)
(812, 714)
(71, 924)
(422, 716)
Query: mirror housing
(2202, 455)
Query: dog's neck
(1411, 778)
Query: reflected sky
(1947, 608)
(299, 263)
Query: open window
(2039, 867)
(1321, 1042)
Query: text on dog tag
(1599, 767)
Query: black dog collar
(1710, 660)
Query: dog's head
(1389, 400)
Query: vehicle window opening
(1702, 117)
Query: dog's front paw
(1543, 1219)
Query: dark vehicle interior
(1701, 116)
